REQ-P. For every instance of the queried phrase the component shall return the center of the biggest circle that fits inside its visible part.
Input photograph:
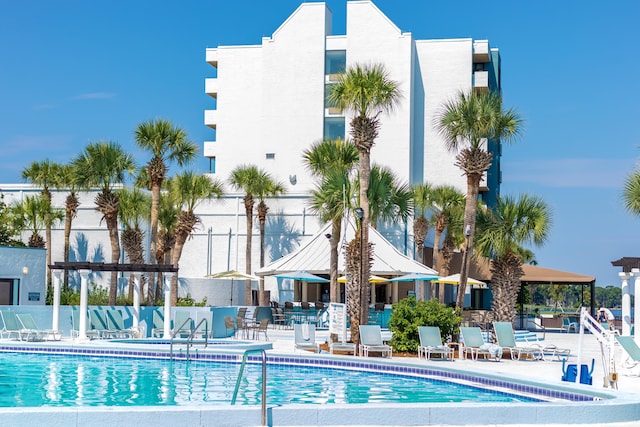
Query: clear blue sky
(73, 72)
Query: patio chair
(475, 345)
(568, 325)
(261, 329)
(431, 343)
(371, 340)
(29, 324)
(506, 339)
(229, 325)
(305, 337)
(115, 321)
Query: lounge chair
(305, 337)
(10, 324)
(475, 345)
(115, 321)
(632, 361)
(431, 343)
(75, 326)
(507, 341)
(182, 324)
(371, 340)
(158, 324)
(100, 324)
(29, 324)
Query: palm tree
(466, 124)
(389, 199)
(102, 165)
(366, 91)
(253, 182)
(331, 161)
(502, 234)
(35, 213)
(447, 202)
(167, 224)
(133, 211)
(44, 174)
(631, 193)
(422, 201)
(187, 190)
(68, 179)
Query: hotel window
(334, 127)
(271, 156)
(335, 61)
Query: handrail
(544, 330)
(264, 381)
(193, 333)
(173, 335)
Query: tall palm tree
(44, 174)
(502, 235)
(366, 91)
(134, 211)
(466, 124)
(102, 165)
(68, 180)
(331, 161)
(166, 143)
(167, 224)
(422, 202)
(187, 190)
(253, 182)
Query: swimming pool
(32, 380)
(577, 404)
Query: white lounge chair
(371, 340)
(507, 341)
(305, 337)
(431, 343)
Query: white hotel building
(268, 105)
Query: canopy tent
(314, 256)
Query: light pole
(360, 214)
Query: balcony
(481, 51)
(212, 57)
(211, 87)
(210, 149)
(481, 81)
(211, 118)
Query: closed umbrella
(233, 275)
(413, 277)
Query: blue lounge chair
(115, 322)
(371, 340)
(37, 334)
(431, 343)
(10, 324)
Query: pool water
(31, 380)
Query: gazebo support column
(626, 303)
(55, 319)
(136, 302)
(167, 305)
(84, 296)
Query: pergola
(630, 268)
(85, 268)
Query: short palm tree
(35, 213)
(466, 123)
(448, 201)
(187, 190)
(44, 174)
(271, 188)
(331, 162)
(502, 235)
(631, 193)
(389, 199)
(167, 224)
(422, 202)
(102, 165)
(134, 210)
(253, 182)
(366, 91)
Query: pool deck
(547, 371)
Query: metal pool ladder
(264, 381)
(191, 336)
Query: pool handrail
(175, 332)
(263, 400)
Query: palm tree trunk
(112, 226)
(365, 174)
(470, 210)
(334, 286)
(248, 203)
(71, 207)
(153, 224)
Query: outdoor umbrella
(372, 279)
(413, 277)
(454, 279)
(233, 275)
(302, 276)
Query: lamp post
(360, 214)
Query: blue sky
(74, 72)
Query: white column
(167, 304)
(394, 292)
(84, 294)
(55, 319)
(305, 292)
(136, 301)
(634, 292)
(626, 303)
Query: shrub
(188, 301)
(408, 314)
